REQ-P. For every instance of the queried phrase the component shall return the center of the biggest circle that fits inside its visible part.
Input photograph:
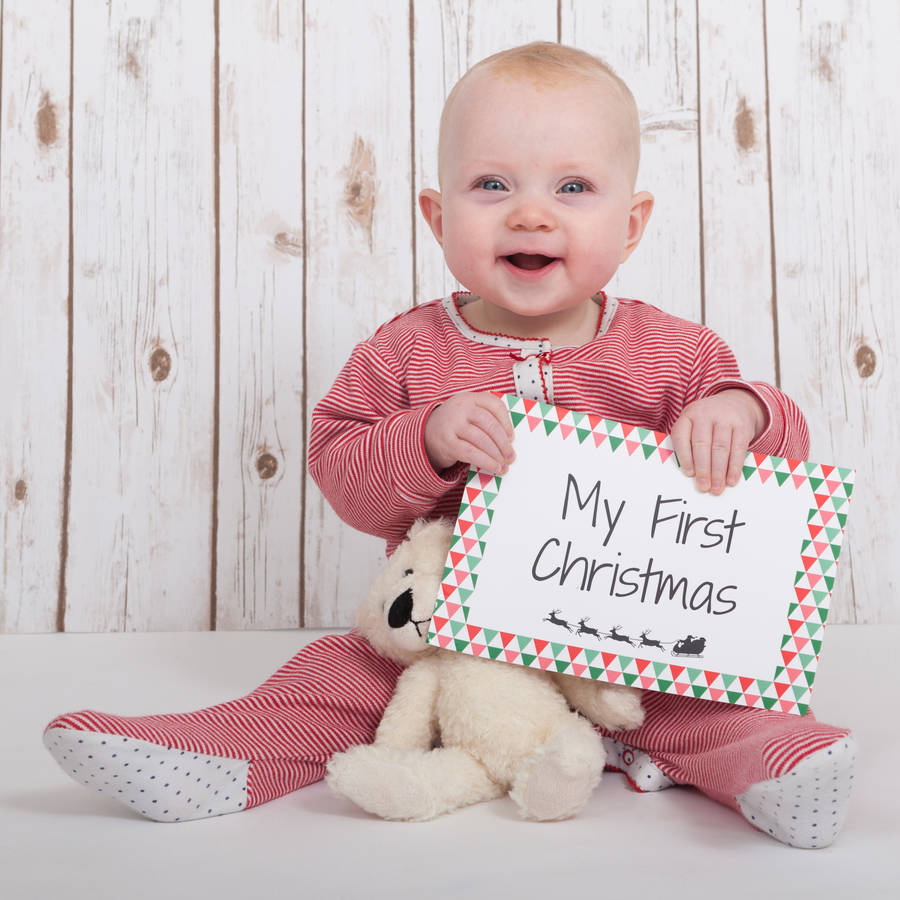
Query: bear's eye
(408, 572)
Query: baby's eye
(491, 184)
(573, 187)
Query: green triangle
(799, 691)
(728, 680)
(694, 674)
(516, 418)
(810, 678)
(557, 649)
(748, 471)
(561, 666)
(595, 673)
(663, 685)
(769, 702)
(734, 696)
(779, 671)
(782, 477)
(698, 690)
(816, 483)
(615, 442)
(528, 659)
(582, 435)
(464, 593)
(494, 652)
(480, 529)
(460, 645)
(489, 635)
(590, 655)
(550, 426)
(629, 678)
(817, 645)
(803, 708)
(659, 668)
(649, 450)
(523, 641)
(763, 686)
(455, 626)
(488, 497)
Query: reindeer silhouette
(615, 636)
(584, 628)
(649, 642)
(555, 621)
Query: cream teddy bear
(460, 729)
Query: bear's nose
(401, 610)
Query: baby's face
(535, 213)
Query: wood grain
(261, 338)
(359, 236)
(835, 195)
(34, 287)
(143, 233)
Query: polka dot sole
(163, 784)
(639, 769)
(806, 806)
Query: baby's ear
(431, 205)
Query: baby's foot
(642, 773)
(805, 806)
(159, 782)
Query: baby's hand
(470, 428)
(712, 435)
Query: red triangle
(821, 499)
(448, 589)
(781, 688)
(788, 656)
(814, 530)
(484, 478)
(506, 637)
(539, 646)
(464, 526)
(808, 561)
(474, 631)
(456, 557)
(439, 622)
(759, 459)
(826, 470)
(472, 493)
(529, 404)
(627, 429)
(573, 652)
(794, 464)
(746, 683)
(710, 676)
(608, 658)
(795, 625)
(677, 671)
(802, 593)
(642, 664)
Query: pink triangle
(444, 641)
(566, 430)
(578, 670)
(631, 446)
(468, 543)
(798, 480)
(751, 699)
(764, 475)
(599, 437)
(545, 662)
(832, 486)
(461, 575)
(478, 649)
(452, 609)
(681, 687)
(613, 676)
(787, 705)
(716, 693)
(511, 655)
(665, 454)
(647, 681)
(532, 422)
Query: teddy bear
(460, 729)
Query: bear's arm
(611, 706)
(410, 719)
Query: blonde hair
(552, 65)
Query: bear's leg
(236, 755)
(556, 779)
(790, 776)
(410, 784)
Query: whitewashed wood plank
(653, 48)
(143, 213)
(450, 36)
(359, 243)
(34, 287)
(261, 435)
(736, 234)
(833, 75)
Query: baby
(538, 156)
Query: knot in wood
(21, 490)
(289, 243)
(160, 364)
(266, 466)
(865, 361)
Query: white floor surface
(58, 840)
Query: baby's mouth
(530, 261)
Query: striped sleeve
(716, 370)
(367, 450)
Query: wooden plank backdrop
(204, 206)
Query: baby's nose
(530, 215)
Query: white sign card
(595, 556)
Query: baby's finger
(701, 450)
(500, 412)
(496, 429)
(736, 460)
(481, 458)
(681, 442)
(720, 457)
